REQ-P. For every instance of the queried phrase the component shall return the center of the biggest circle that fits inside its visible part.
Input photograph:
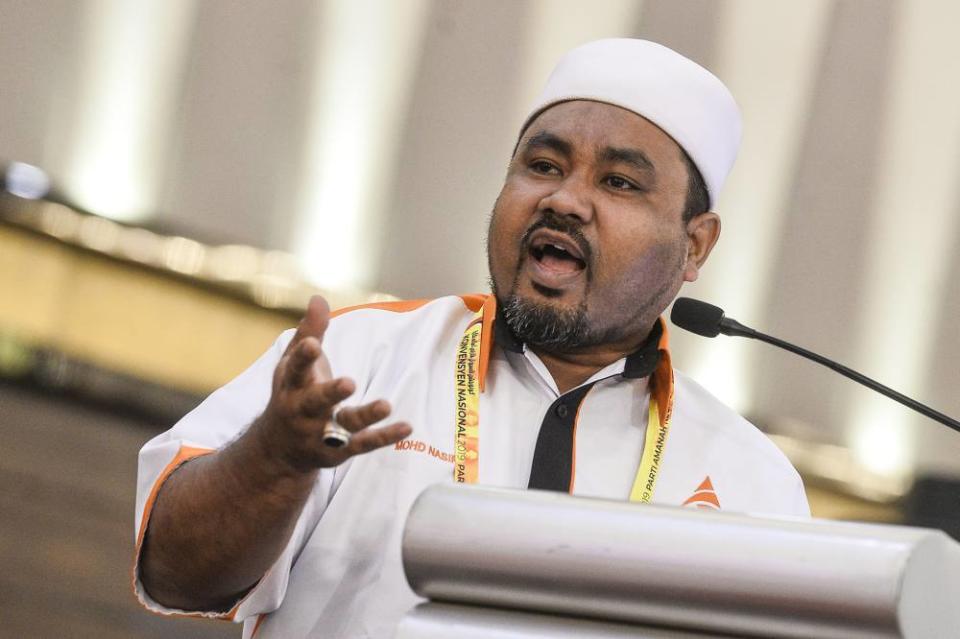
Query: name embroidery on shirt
(417, 446)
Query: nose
(570, 198)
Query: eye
(544, 167)
(620, 183)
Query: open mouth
(557, 255)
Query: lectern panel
(681, 568)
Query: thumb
(314, 322)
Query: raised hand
(305, 398)
(220, 521)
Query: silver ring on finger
(335, 435)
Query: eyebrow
(634, 157)
(544, 139)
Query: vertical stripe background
(840, 220)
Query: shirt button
(562, 411)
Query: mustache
(561, 224)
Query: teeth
(539, 249)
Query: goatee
(545, 326)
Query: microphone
(709, 320)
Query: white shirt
(341, 574)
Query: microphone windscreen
(696, 316)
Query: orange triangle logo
(704, 496)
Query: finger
(371, 439)
(300, 363)
(355, 418)
(320, 398)
(314, 322)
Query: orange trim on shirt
(661, 381)
(573, 451)
(402, 306)
(256, 627)
(474, 302)
(664, 343)
(185, 454)
(486, 338)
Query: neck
(568, 372)
(570, 369)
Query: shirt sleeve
(801, 506)
(217, 421)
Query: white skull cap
(685, 100)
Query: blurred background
(180, 175)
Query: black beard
(542, 325)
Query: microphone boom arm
(732, 327)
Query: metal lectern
(497, 564)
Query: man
(561, 380)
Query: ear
(702, 233)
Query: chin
(541, 321)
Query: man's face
(586, 244)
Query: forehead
(589, 126)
